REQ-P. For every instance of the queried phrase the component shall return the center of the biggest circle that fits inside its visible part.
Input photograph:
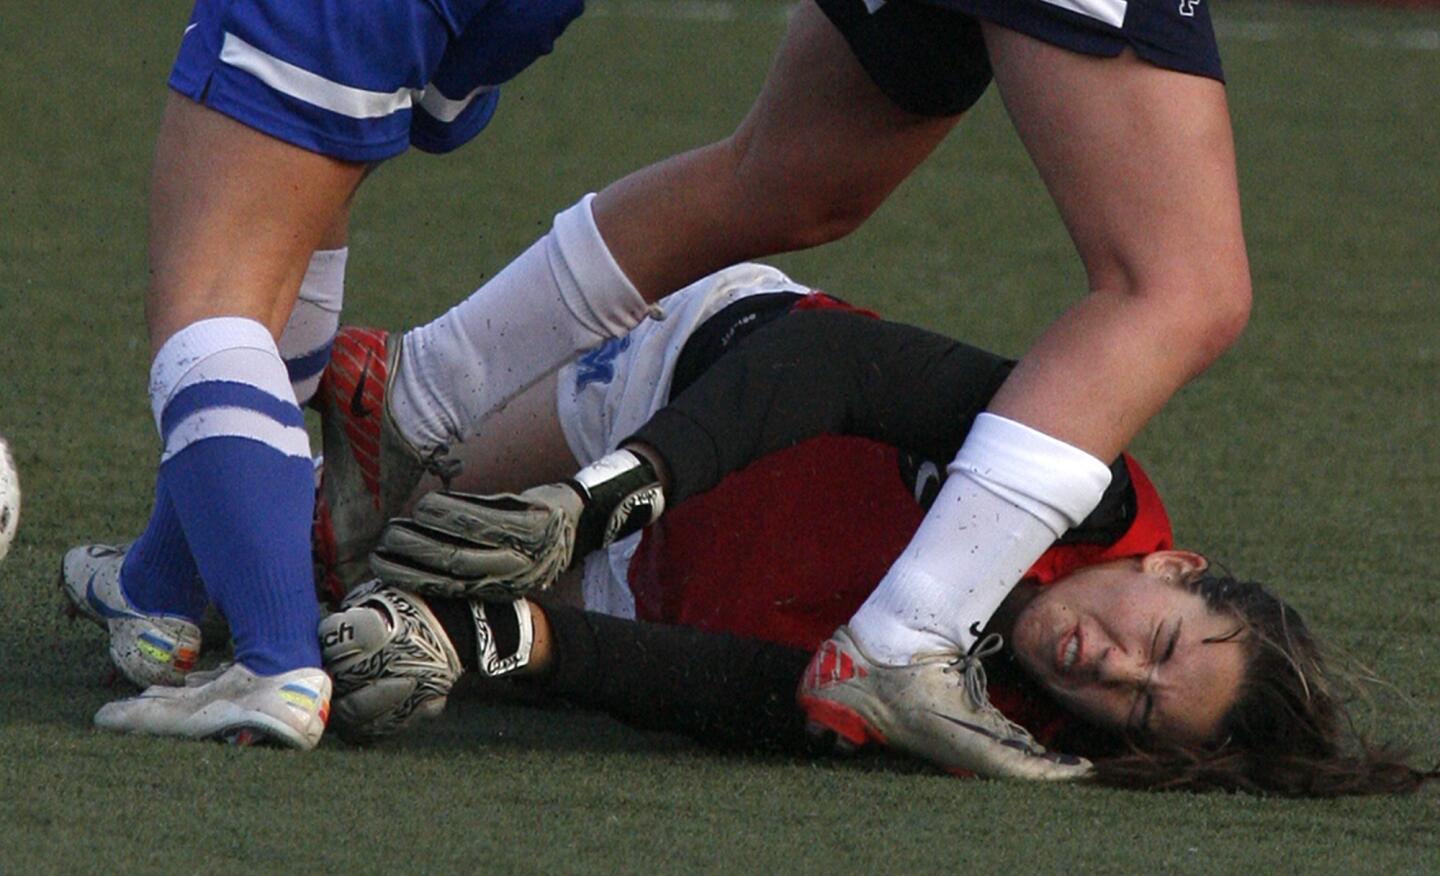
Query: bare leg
(234, 217)
(1141, 164)
(818, 152)
(338, 234)
(517, 447)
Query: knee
(1230, 312)
(1220, 309)
(791, 201)
(820, 213)
(1204, 307)
(1214, 312)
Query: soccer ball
(9, 497)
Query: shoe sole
(341, 388)
(246, 727)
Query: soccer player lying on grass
(791, 463)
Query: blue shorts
(929, 56)
(360, 80)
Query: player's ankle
(886, 639)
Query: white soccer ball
(9, 497)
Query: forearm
(816, 373)
(720, 690)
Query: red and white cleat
(369, 471)
(935, 708)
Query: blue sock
(237, 468)
(159, 574)
(304, 371)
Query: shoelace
(972, 674)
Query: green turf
(1307, 457)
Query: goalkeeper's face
(1126, 646)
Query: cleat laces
(971, 672)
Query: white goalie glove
(391, 660)
(509, 545)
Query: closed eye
(1174, 640)
(1147, 699)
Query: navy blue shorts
(929, 57)
(361, 80)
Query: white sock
(1011, 492)
(563, 295)
(305, 343)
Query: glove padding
(497, 547)
(390, 660)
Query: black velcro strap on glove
(622, 496)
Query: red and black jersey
(802, 451)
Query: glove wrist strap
(504, 635)
(622, 495)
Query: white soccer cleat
(935, 708)
(370, 470)
(233, 705)
(148, 649)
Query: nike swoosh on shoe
(101, 608)
(357, 399)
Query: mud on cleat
(936, 708)
(370, 470)
(148, 649)
(232, 705)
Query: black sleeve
(823, 372)
(836, 372)
(720, 690)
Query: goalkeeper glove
(509, 545)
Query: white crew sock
(305, 343)
(1011, 492)
(563, 295)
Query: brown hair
(1289, 733)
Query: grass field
(1308, 457)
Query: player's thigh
(822, 127)
(1140, 160)
(234, 216)
(517, 447)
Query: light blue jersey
(361, 80)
